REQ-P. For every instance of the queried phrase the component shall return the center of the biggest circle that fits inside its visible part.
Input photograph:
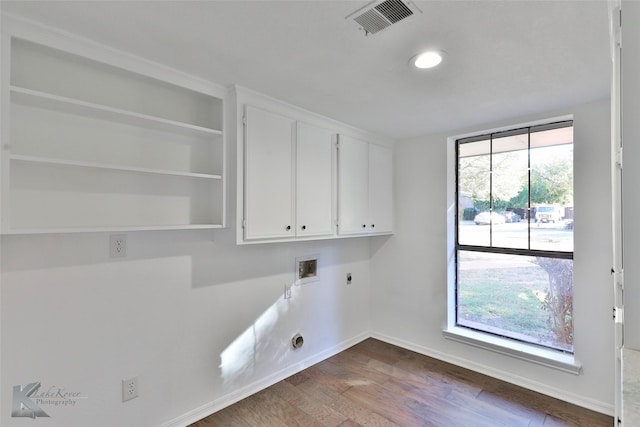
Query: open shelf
(49, 161)
(112, 229)
(34, 98)
(48, 196)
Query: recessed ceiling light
(427, 59)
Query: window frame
(546, 356)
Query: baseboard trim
(592, 404)
(246, 391)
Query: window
(514, 234)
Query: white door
(380, 189)
(314, 183)
(616, 187)
(353, 186)
(268, 175)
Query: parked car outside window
(548, 213)
(485, 218)
(510, 216)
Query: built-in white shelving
(95, 147)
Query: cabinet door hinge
(618, 155)
(618, 30)
(618, 314)
(618, 277)
(244, 223)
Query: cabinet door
(314, 184)
(353, 186)
(268, 177)
(380, 189)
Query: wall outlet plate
(118, 245)
(129, 389)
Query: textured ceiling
(503, 58)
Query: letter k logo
(23, 406)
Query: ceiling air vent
(378, 15)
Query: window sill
(549, 358)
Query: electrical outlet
(287, 291)
(118, 245)
(129, 389)
(348, 278)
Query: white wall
(409, 272)
(73, 318)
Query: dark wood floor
(377, 384)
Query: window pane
(473, 192)
(526, 298)
(552, 189)
(509, 190)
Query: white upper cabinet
(269, 186)
(298, 179)
(288, 177)
(314, 180)
(365, 187)
(90, 146)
